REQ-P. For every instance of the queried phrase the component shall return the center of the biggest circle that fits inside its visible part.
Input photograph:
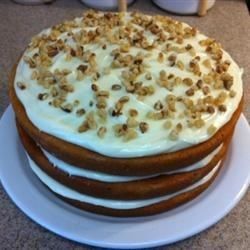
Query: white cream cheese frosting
(156, 139)
(115, 204)
(94, 175)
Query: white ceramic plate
(43, 207)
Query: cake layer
(93, 175)
(149, 187)
(125, 208)
(127, 86)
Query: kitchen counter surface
(228, 22)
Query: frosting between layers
(64, 125)
(115, 204)
(72, 170)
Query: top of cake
(127, 84)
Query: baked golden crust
(153, 209)
(85, 158)
(140, 189)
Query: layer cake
(125, 114)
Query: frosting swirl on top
(127, 85)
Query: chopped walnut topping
(101, 132)
(103, 114)
(143, 127)
(148, 76)
(180, 65)
(171, 104)
(199, 123)
(232, 93)
(210, 109)
(130, 135)
(192, 52)
(174, 134)
(197, 58)
(227, 80)
(120, 129)
(163, 114)
(84, 127)
(211, 129)
(72, 52)
(79, 75)
(172, 59)
(207, 63)
(178, 127)
(21, 85)
(101, 102)
(222, 108)
(160, 58)
(102, 93)
(68, 57)
(206, 42)
(82, 68)
(199, 84)
(220, 99)
(54, 91)
(80, 112)
(96, 76)
(208, 100)
(208, 79)
(167, 124)
(133, 112)
(170, 76)
(57, 102)
(179, 40)
(177, 80)
(218, 84)
(188, 81)
(94, 87)
(124, 99)
(116, 87)
(129, 87)
(42, 96)
(158, 105)
(150, 89)
(190, 92)
(194, 67)
(125, 47)
(66, 72)
(29, 61)
(188, 47)
(205, 90)
(227, 62)
(52, 51)
(67, 107)
(67, 87)
(214, 49)
(78, 52)
(34, 75)
(131, 122)
(91, 120)
(221, 67)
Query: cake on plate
(125, 114)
